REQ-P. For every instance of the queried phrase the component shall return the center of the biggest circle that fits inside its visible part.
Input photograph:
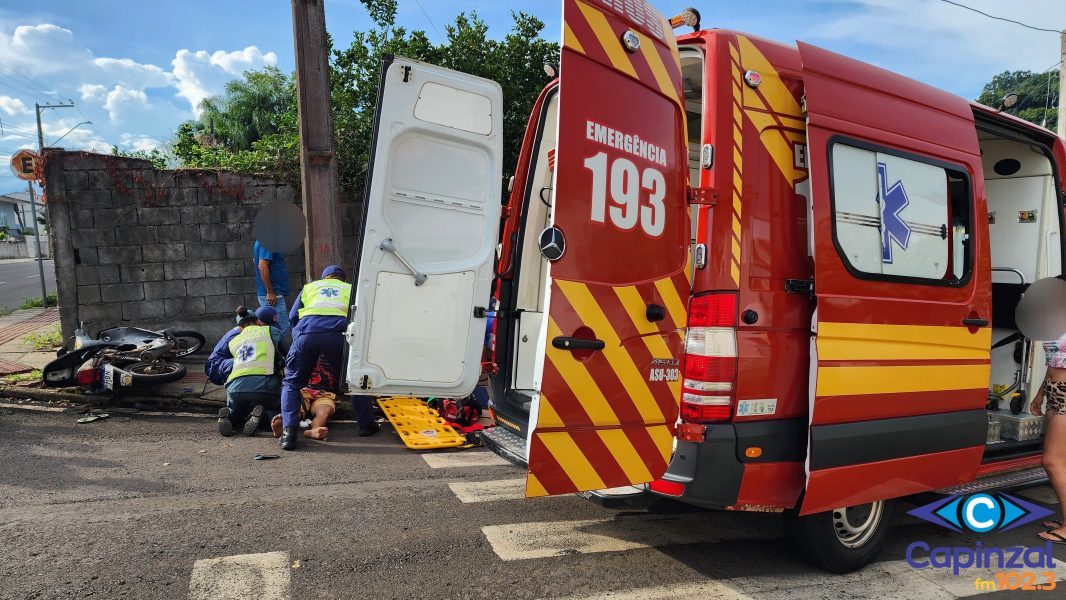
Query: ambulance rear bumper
(710, 471)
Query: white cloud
(944, 45)
(199, 75)
(13, 106)
(138, 142)
(121, 100)
(92, 91)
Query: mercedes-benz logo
(552, 244)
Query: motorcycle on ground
(121, 357)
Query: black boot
(369, 430)
(252, 425)
(225, 426)
(288, 438)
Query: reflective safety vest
(253, 352)
(326, 298)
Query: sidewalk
(17, 355)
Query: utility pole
(318, 162)
(40, 132)
(1062, 88)
(33, 200)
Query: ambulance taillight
(710, 370)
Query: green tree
(253, 127)
(1038, 95)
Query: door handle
(388, 246)
(975, 322)
(572, 343)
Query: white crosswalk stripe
(264, 576)
(523, 541)
(489, 491)
(452, 460)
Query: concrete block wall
(137, 246)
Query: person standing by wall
(272, 282)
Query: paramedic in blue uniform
(318, 319)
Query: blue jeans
(283, 313)
(242, 403)
(303, 356)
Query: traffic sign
(26, 165)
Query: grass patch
(49, 339)
(19, 377)
(53, 300)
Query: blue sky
(137, 70)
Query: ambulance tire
(821, 540)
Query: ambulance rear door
(432, 212)
(616, 250)
(900, 358)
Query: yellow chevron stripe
(737, 206)
(736, 227)
(734, 53)
(664, 440)
(736, 250)
(738, 139)
(772, 88)
(636, 309)
(843, 381)
(533, 487)
(546, 415)
(621, 362)
(658, 69)
(605, 35)
(572, 460)
(625, 455)
(734, 272)
(570, 40)
(671, 42)
(862, 341)
(688, 267)
(738, 183)
(577, 378)
(738, 117)
(737, 160)
(674, 304)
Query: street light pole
(37, 239)
(1062, 89)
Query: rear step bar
(505, 444)
(1015, 479)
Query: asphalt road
(142, 506)
(19, 280)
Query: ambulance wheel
(841, 540)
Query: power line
(1000, 18)
(431, 23)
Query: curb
(47, 395)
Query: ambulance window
(900, 216)
(455, 108)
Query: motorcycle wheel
(157, 372)
(189, 342)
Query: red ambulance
(744, 274)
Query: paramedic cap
(333, 270)
(267, 315)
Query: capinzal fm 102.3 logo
(981, 514)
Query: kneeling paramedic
(318, 318)
(247, 360)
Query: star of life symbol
(893, 227)
(329, 292)
(245, 352)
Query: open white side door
(432, 214)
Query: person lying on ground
(319, 402)
(247, 361)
